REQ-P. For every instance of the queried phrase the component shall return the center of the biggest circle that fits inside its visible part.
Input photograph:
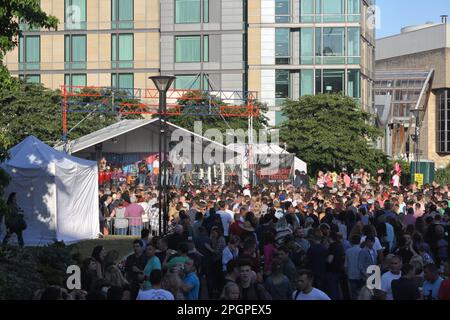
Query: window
(122, 14)
(29, 52)
(306, 82)
(333, 10)
(188, 82)
(205, 11)
(280, 118)
(122, 50)
(353, 83)
(75, 14)
(31, 78)
(75, 52)
(75, 80)
(307, 46)
(353, 46)
(189, 49)
(353, 10)
(333, 81)
(333, 45)
(330, 10)
(307, 11)
(443, 121)
(281, 86)
(318, 46)
(123, 81)
(205, 48)
(187, 11)
(282, 52)
(192, 82)
(282, 11)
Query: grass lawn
(121, 244)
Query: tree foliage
(5, 143)
(443, 176)
(199, 106)
(22, 272)
(32, 109)
(331, 132)
(12, 13)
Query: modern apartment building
(98, 43)
(304, 47)
(203, 42)
(278, 48)
(403, 62)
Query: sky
(396, 14)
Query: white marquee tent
(266, 149)
(57, 192)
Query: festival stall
(58, 193)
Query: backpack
(297, 293)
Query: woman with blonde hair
(115, 278)
(231, 292)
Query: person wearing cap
(248, 230)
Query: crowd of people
(299, 241)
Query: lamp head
(162, 83)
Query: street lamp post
(416, 137)
(163, 84)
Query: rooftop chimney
(444, 18)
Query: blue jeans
(135, 230)
(142, 178)
(120, 231)
(177, 179)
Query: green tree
(12, 13)
(31, 109)
(5, 143)
(199, 106)
(331, 132)
(443, 176)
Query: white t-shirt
(155, 294)
(386, 281)
(227, 218)
(145, 206)
(376, 246)
(314, 295)
(396, 181)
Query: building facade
(202, 43)
(304, 47)
(417, 50)
(97, 43)
(277, 48)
